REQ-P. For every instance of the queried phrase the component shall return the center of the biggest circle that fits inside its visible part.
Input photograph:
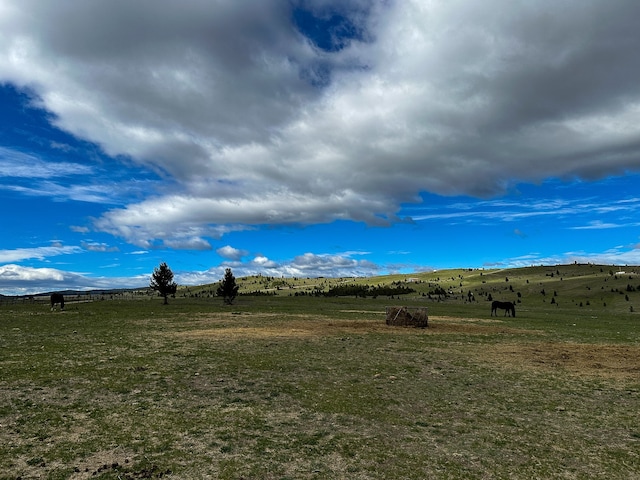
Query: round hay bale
(407, 317)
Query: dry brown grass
(616, 362)
(225, 326)
(613, 361)
(220, 326)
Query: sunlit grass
(305, 387)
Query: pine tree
(228, 288)
(162, 281)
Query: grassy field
(302, 387)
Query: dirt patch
(233, 326)
(604, 360)
(292, 328)
(473, 326)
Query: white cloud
(154, 218)
(20, 280)
(231, 253)
(568, 213)
(15, 274)
(40, 253)
(17, 164)
(308, 265)
(262, 262)
(312, 265)
(614, 256)
(98, 247)
(259, 126)
(597, 225)
(36, 176)
(82, 193)
(188, 243)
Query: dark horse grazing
(57, 298)
(506, 306)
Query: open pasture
(304, 387)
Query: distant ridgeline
(367, 291)
(77, 296)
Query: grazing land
(286, 383)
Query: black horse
(57, 298)
(508, 307)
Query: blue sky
(313, 138)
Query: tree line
(162, 282)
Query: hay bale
(407, 317)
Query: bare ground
(604, 360)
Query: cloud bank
(261, 117)
(21, 280)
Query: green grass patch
(301, 387)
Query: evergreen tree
(228, 288)
(162, 281)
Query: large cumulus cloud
(256, 123)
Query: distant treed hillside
(586, 286)
(580, 285)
